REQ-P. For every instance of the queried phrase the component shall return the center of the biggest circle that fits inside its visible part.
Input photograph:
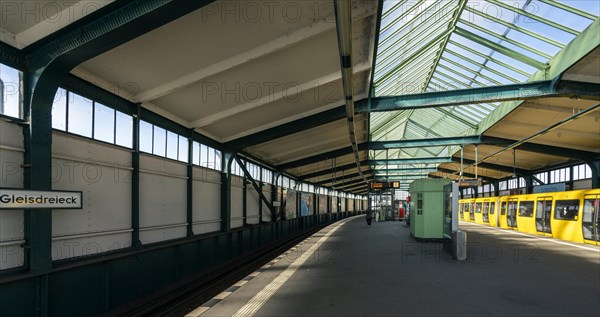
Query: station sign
(469, 182)
(384, 185)
(39, 199)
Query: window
(503, 208)
(196, 153)
(560, 175)
(59, 110)
(80, 115)
(76, 114)
(526, 209)
(582, 171)
(566, 209)
(183, 149)
(492, 208)
(172, 149)
(10, 91)
(159, 142)
(104, 123)
(477, 208)
(124, 130)
(146, 132)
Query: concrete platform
(351, 269)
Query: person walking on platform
(377, 216)
(369, 216)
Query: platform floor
(351, 269)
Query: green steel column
(528, 184)
(190, 185)
(226, 161)
(245, 203)
(135, 181)
(260, 203)
(38, 172)
(595, 167)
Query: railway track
(194, 293)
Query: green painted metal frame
(534, 17)
(499, 48)
(452, 25)
(463, 140)
(254, 184)
(521, 91)
(415, 160)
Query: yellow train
(570, 215)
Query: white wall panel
(252, 205)
(163, 199)
(237, 199)
(206, 201)
(102, 173)
(266, 214)
(11, 175)
(64, 247)
(582, 184)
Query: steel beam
(450, 171)
(320, 157)
(522, 91)
(313, 121)
(495, 167)
(543, 149)
(332, 170)
(12, 57)
(465, 140)
(416, 160)
(341, 178)
(254, 184)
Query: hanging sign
(38, 199)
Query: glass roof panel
(439, 45)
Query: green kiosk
(434, 214)
(429, 205)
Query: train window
(478, 208)
(566, 209)
(526, 209)
(492, 208)
(503, 208)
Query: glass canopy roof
(440, 45)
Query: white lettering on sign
(35, 199)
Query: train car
(543, 214)
(478, 208)
(489, 214)
(566, 222)
(525, 213)
(469, 209)
(590, 219)
(502, 219)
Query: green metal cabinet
(427, 208)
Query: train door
(511, 213)
(471, 211)
(502, 217)
(591, 219)
(486, 212)
(493, 217)
(478, 208)
(542, 216)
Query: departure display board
(384, 185)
